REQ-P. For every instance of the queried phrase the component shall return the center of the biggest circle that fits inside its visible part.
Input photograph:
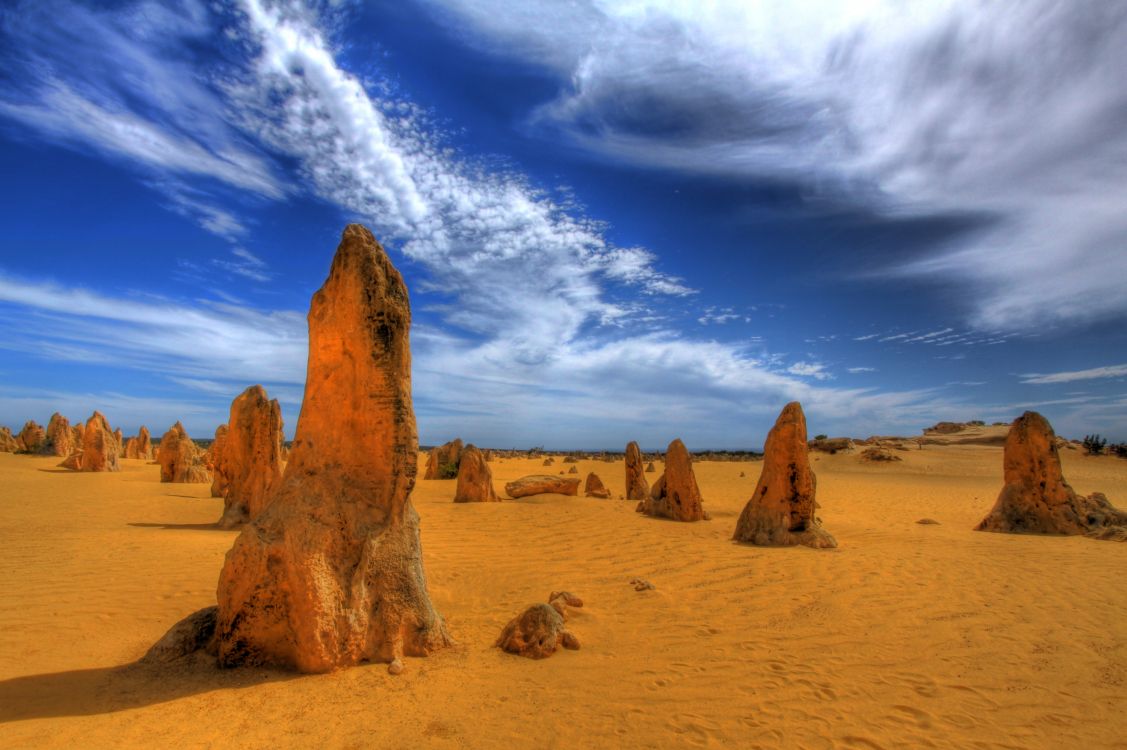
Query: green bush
(819, 437)
(448, 471)
(1093, 445)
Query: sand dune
(904, 636)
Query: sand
(904, 636)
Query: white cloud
(858, 370)
(1109, 371)
(909, 109)
(815, 370)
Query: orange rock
(539, 631)
(675, 495)
(99, 448)
(31, 438)
(119, 438)
(330, 573)
(781, 510)
(181, 460)
(214, 454)
(60, 437)
(594, 487)
(650, 468)
(475, 480)
(1036, 499)
(250, 461)
(637, 488)
(140, 447)
(442, 463)
(541, 484)
(8, 442)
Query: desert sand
(906, 635)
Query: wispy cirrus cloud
(1092, 373)
(905, 110)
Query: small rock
(928, 522)
(641, 584)
(396, 666)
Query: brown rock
(119, 439)
(549, 461)
(250, 459)
(475, 479)
(675, 494)
(31, 438)
(330, 573)
(537, 632)
(781, 511)
(573, 470)
(443, 461)
(99, 451)
(637, 488)
(831, 445)
(211, 459)
(1036, 499)
(8, 443)
(60, 437)
(594, 487)
(879, 454)
(181, 460)
(541, 484)
(650, 468)
(928, 522)
(140, 447)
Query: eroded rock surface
(248, 465)
(594, 487)
(475, 479)
(330, 573)
(540, 484)
(60, 437)
(675, 495)
(1036, 499)
(781, 511)
(537, 632)
(141, 446)
(181, 460)
(31, 438)
(443, 461)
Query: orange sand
(905, 636)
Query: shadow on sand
(86, 692)
(182, 526)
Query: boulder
(541, 484)
(475, 479)
(879, 454)
(537, 632)
(650, 468)
(31, 438)
(181, 460)
(573, 470)
(675, 494)
(549, 461)
(594, 487)
(140, 447)
(1036, 499)
(60, 437)
(330, 574)
(249, 464)
(781, 510)
(442, 463)
(8, 443)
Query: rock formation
(442, 463)
(475, 480)
(650, 468)
(60, 437)
(31, 437)
(8, 443)
(330, 573)
(181, 460)
(549, 461)
(573, 470)
(637, 488)
(537, 632)
(214, 453)
(140, 447)
(249, 465)
(98, 451)
(878, 454)
(594, 487)
(675, 494)
(119, 438)
(781, 510)
(540, 484)
(1036, 499)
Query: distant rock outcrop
(442, 463)
(60, 437)
(830, 445)
(878, 454)
(140, 447)
(99, 449)
(781, 511)
(650, 468)
(637, 488)
(594, 487)
(330, 573)
(675, 494)
(31, 438)
(211, 459)
(119, 439)
(8, 443)
(540, 484)
(475, 479)
(181, 460)
(1036, 499)
(249, 463)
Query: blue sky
(617, 221)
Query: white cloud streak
(1094, 373)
